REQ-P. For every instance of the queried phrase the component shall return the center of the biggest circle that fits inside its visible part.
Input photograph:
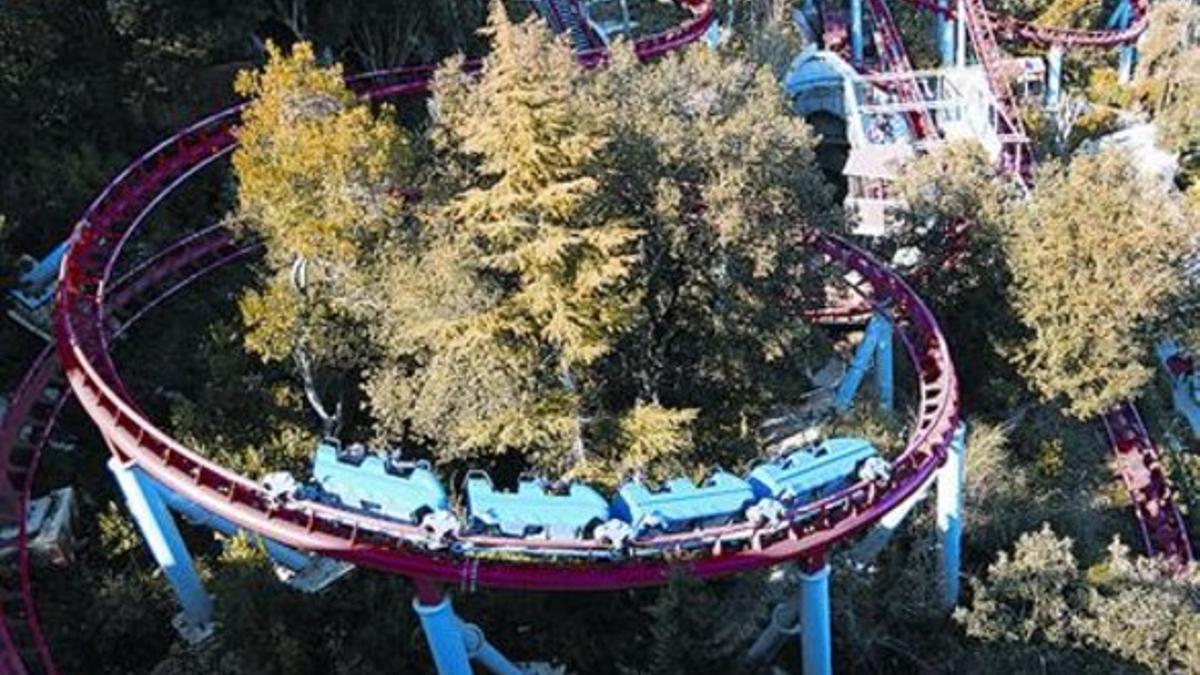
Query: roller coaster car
(364, 481)
(681, 504)
(536, 510)
(817, 471)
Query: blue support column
(884, 379)
(1125, 66)
(944, 34)
(960, 33)
(816, 635)
(36, 286)
(1121, 18)
(856, 30)
(444, 636)
(949, 516)
(162, 537)
(712, 37)
(482, 651)
(453, 642)
(1120, 15)
(1054, 76)
(280, 554)
(867, 353)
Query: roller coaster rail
(92, 308)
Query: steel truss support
(154, 519)
(949, 516)
(874, 350)
(816, 634)
(453, 642)
(885, 386)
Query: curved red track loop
(80, 318)
(18, 458)
(138, 291)
(1160, 522)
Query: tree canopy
(1133, 609)
(1096, 259)
(577, 235)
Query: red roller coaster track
(81, 318)
(90, 304)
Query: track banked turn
(137, 292)
(89, 306)
(808, 530)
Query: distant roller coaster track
(92, 306)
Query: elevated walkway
(880, 124)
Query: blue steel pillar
(884, 381)
(444, 636)
(960, 35)
(944, 33)
(453, 642)
(949, 516)
(1125, 66)
(875, 349)
(816, 634)
(36, 286)
(712, 37)
(1054, 76)
(856, 30)
(280, 554)
(1120, 19)
(167, 546)
(482, 651)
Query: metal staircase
(1015, 144)
(894, 59)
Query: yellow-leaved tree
(1096, 258)
(318, 173)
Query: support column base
(320, 573)
(192, 633)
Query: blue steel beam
(166, 545)
(884, 377)
(856, 30)
(950, 516)
(816, 636)
(944, 33)
(874, 350)
(1054, 76)
(442, 632)
(282, 555)
(454, 643)
(482, 652)
(1121, 18)
(35, 288)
